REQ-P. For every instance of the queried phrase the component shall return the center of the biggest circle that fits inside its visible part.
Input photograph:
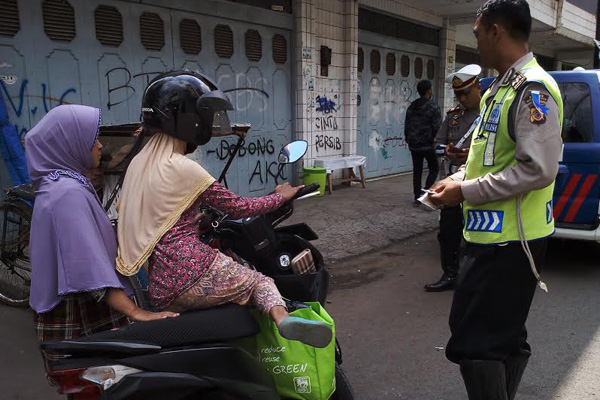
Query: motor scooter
(197, 355)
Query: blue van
(577, 189)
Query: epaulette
(453, 110)
(518, 80)
(513, 78)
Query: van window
(578, 124)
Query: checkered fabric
(77, 315)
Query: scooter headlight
(108, 375)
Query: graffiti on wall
(394, 141)
(326, 123)
(325, 105)
(260, 148)
(386, 111)
(325, 142)
(270, 171)
(247, 94)
(384, 145)
(248, 91)
(122, 92)
(326, 109)
(9, 79)
(16, 103)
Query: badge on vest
(537, 107)
(491, 125)
(484, 221)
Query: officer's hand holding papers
(447, 193)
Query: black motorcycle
(197, 355)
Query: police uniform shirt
(456, 124)
(538, 146)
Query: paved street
(392, 332)
(353, 220)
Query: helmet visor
(221, 124)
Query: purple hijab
(72, 245)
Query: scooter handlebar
(307, 190)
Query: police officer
(506, 191)
(452, 141)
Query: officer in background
(506, 190)
(452, 141)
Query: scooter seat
(216, 324)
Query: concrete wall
(587, 5)
(579, 21)
(405, 9)
(324, 108)
(544, 11)
(326, 105)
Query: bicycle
(15, 271)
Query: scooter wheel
(343, 389)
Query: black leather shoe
(446, 282)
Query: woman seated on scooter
(161, 199)
(75, 290)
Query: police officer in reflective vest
(506, 192)
(452, 142)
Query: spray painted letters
(326, 119)
(325, 142)
(17, 103)
(261, 148)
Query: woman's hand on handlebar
(287, 191)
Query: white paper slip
(425, 199)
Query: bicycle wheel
(15, 269)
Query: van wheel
(343, 389)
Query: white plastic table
(349, 163)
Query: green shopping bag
(299, 371)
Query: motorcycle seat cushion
(216, 324)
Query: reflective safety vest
(492, 150)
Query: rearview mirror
(292, 152)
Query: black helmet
(186, 105)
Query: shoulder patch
(537, 106)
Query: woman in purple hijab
(75, 289)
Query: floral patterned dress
(180, 259)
